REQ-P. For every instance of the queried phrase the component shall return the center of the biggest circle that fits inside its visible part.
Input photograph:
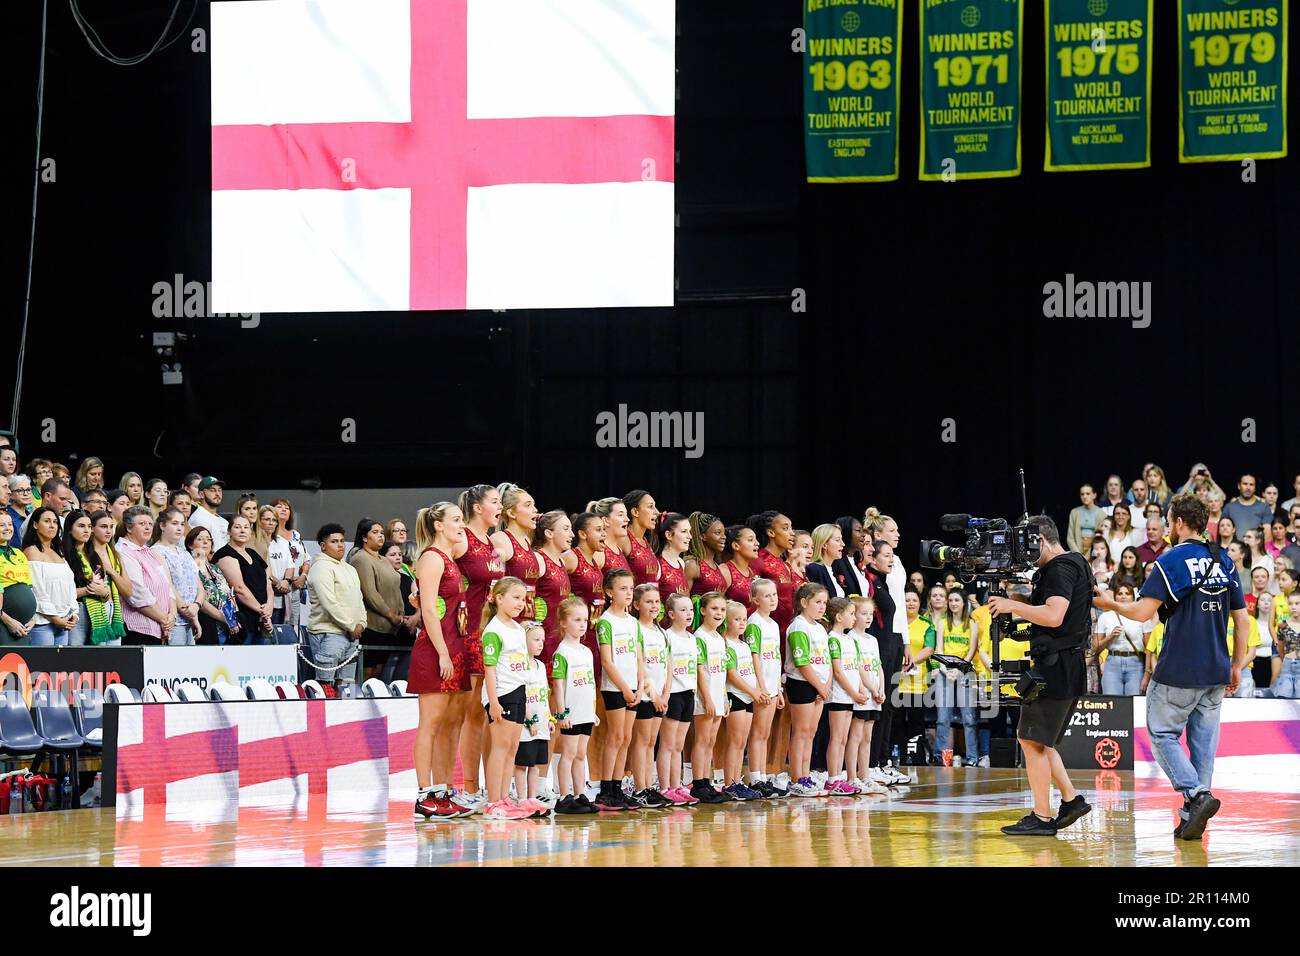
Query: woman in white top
(52, 581)
(1256, 552)
(288, 562)
(1122, 535)
(1125, 644)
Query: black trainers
(628, 802)
(568, 805)
(1031, 825)
(655, 800)
(1072, 811)
(1199, 811)
(703, 791)
(583, 804)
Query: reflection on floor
(947, 818)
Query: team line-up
(710, 646)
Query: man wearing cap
(205, 515)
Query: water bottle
(97, 789)
(897, 756)
(16, 796)
(65, 801)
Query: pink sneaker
(847, 788)
(535, 807)
(505, 810)
(679, 797)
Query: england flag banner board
(442, 154)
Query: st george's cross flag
(441, 154)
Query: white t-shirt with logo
(539, 703)
(869, 654)
(806, 644)
(621, 632)
(685, 659)
(739, 658)
(574, 665)
(844, 648)
(505, 648)
(711, 651)
(654, 657)
(763, 635)
(1133, 637)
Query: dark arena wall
(924, 302)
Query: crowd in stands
(1127, 529)
(827, 672)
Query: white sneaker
(782, 781)
(983, 761)
(878, 775)
(862, 785)
(591, 791)
(873, 787)
(799, 790)
(471, 802)
(819, 777)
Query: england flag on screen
(441, 154)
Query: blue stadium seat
(88, 714)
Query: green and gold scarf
(103, 628)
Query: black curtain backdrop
(924, 303)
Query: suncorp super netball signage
(206, 666)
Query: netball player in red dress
(798, 557)
(613, 513)
(482, 565)
(518, 522)
(775, 536)
(741, 552)
(708, 539)
(642, 517)
(439, 671)
(675, 543)
(552, 540)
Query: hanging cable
(31, 246)
(99, 46)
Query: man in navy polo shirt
(1194, 669)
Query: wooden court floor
(949, 817)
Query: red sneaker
(437, 805)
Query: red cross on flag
(441, 154)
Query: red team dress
(739, 588)
(481, 568)
(769, 566)
(710, 579)
(671, 580)
(552, 588)
(522, 564)
(615, 559)
(643, 562)
(586, 581)
(424, 676)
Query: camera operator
(1199, 588)
(1059, 611)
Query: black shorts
(839, 708)
(681, 706)
(533, 753)
(578, 730)
(738, 704)
(800, 692)
(646, 710)
(1044, 720)
(613, 700)
(867, 715)
(514, 705)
